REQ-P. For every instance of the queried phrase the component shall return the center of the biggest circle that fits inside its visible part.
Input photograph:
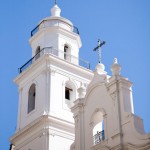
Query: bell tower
(48, 84)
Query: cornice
(50, 121)
(27, 128)
(54, 61)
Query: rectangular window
(67, 93)
(65, 51)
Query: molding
(113, 96)
(44, 122)
(39, 134)
(27, 128)
(54, 63)
(52, 71)
(53, 132)
(129, 146)
(145, 146)
(116, 135)
(101, 146)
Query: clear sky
(123, 24)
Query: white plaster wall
(58, 107)
(56, 39)
(26, 118)
(38, 42)
(56, 103)
(59, 143)
(127, 100)
(71, 42)
(45, 39)
(98, 98)
(36, 144)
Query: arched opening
(69, 94)
(31, 98)
(37, 53)
(98, 127)
(67, 55)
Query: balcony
(57, 53)
(98, 137)
(54, 22)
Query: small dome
(100, 68)
(55, 11)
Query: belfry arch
(98, 125)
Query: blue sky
(124, 25)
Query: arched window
(98, 128)
(69, 94)
(37, 53)
(31, 98)
(67, 55)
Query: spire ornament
(55, 11)
(55, 2)
(98, 48)
(115, 68)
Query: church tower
(47, 86)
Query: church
(63, 105)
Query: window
(67, 55)
(98, 132)
(37, 53)
(65, 51)
(68, 93)
(31, 98)
(98, 128)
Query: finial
(81, 91)
(55, 11)
(115, 61)
(100, 44)
(55, 2)
(115, 68)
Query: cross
(100, 44)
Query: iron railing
(49, 23)
(98, 137)
(58, 53)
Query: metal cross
(100, 44)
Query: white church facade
(63, 105)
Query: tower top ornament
(98, 48)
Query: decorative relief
(113, 96)
(52, 71)
(52, 134)
(42, 134)
(76, 119)
(48, 67)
